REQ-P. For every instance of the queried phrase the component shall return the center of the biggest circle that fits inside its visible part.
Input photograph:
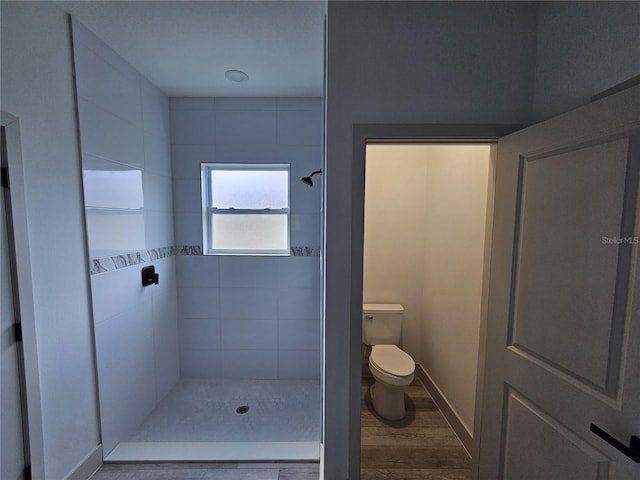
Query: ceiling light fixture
(236, 76)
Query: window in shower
(245, 209)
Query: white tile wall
(249, 271)
(124, 123)
(255, 128)
(249, 334)
(298, 363)
(251, 364)
(109, 136)
(267, 325)
(192, 127)
(248, 303)
(199, 302)
(196, 271)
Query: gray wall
(124, 137)
(37, 87)
(243, 316)
(418, 62)
(583, 49)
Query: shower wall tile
(296, 303)
(186, 160)
(201, 363)
(245, 103)
(249, 334)
(186, 195)
(192, 103)
(155, 110)
(248, 154)
(266, 304)
(299, 128)
(188, 228)
(125, 145)
(158, 226)
(192, 127)
(300, 334)
(247, 303)
(115, 292)
(108, 136)
(157, 156)
(299, 272)
(200, 333)
(107, 87)
(299, 103)
(155, 188)
(198, 271)
(236, 271)
(250, 364)
(298, 364)
(305, 228)
(200, 302)
(245, 127)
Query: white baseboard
(88, 465)
(449, 413)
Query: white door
(563, 329)
(11, 439)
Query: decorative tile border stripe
(305, 251)
(109, 263)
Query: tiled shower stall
(210, 318)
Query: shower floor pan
(208, 420)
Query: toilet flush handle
(369, 317)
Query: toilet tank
(382, 323)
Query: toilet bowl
(393, 370)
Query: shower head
(307, 180)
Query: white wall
(583, 49)
(124, 136)
(248, 317)
(37, 87)
(425, 212)
(392, 62)
(457, 183)
(395, 232)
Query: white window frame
(208, 210)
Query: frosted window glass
(249, 232)
(249, 189)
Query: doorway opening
(425, 236)
(366, 136)
(14, 422)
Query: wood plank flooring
(420, 446)
(207, 471)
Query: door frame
(410, 133)
(24, 285)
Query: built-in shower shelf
(214, 451)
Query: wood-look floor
(422, 446)
(207, 471)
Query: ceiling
(185, 47)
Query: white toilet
(391, 368)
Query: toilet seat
(392, 360)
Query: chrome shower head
(307, 180)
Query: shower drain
(242, 409)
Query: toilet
(391, 368)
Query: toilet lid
(392, 360)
